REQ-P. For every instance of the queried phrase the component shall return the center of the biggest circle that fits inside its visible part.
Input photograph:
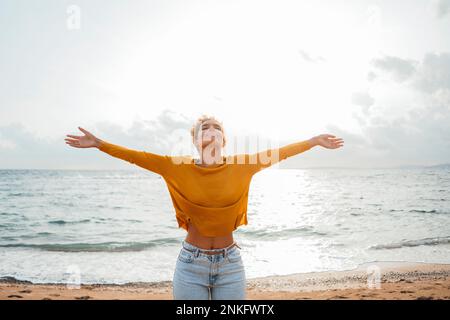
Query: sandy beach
(398, 280)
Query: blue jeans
(201, 276)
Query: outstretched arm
(147, 160)
(266, 158)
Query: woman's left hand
(328, 141)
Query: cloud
(430, 75)
(168, 133)
(420, 135)
(364, 100)
(307, 57)
(442, 8)
(157, 134)
(400, 69)
(24, 150)
(6, 144)
(20, 148)
(434, 72)
(371, 76)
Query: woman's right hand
(86, 141)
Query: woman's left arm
(266, 158)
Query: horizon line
(275, 168)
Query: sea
(119, 226)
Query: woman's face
(210, 131)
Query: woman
(210, 198)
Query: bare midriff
(195, 238)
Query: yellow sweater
(214, 199)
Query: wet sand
(397, 280)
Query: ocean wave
(68, 222)
(9, 214)
(94, 220)
(424, 211)
(96, 247)
(13, 280)
(110, 220)
(21, 194)
(413, 243)
(26, 236)
(284, 233)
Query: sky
(138, 74)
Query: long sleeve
(147, 160)
(269, 157)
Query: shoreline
(397, 280)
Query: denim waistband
(198, 250)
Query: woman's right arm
(147, 160)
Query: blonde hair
(196, 126)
